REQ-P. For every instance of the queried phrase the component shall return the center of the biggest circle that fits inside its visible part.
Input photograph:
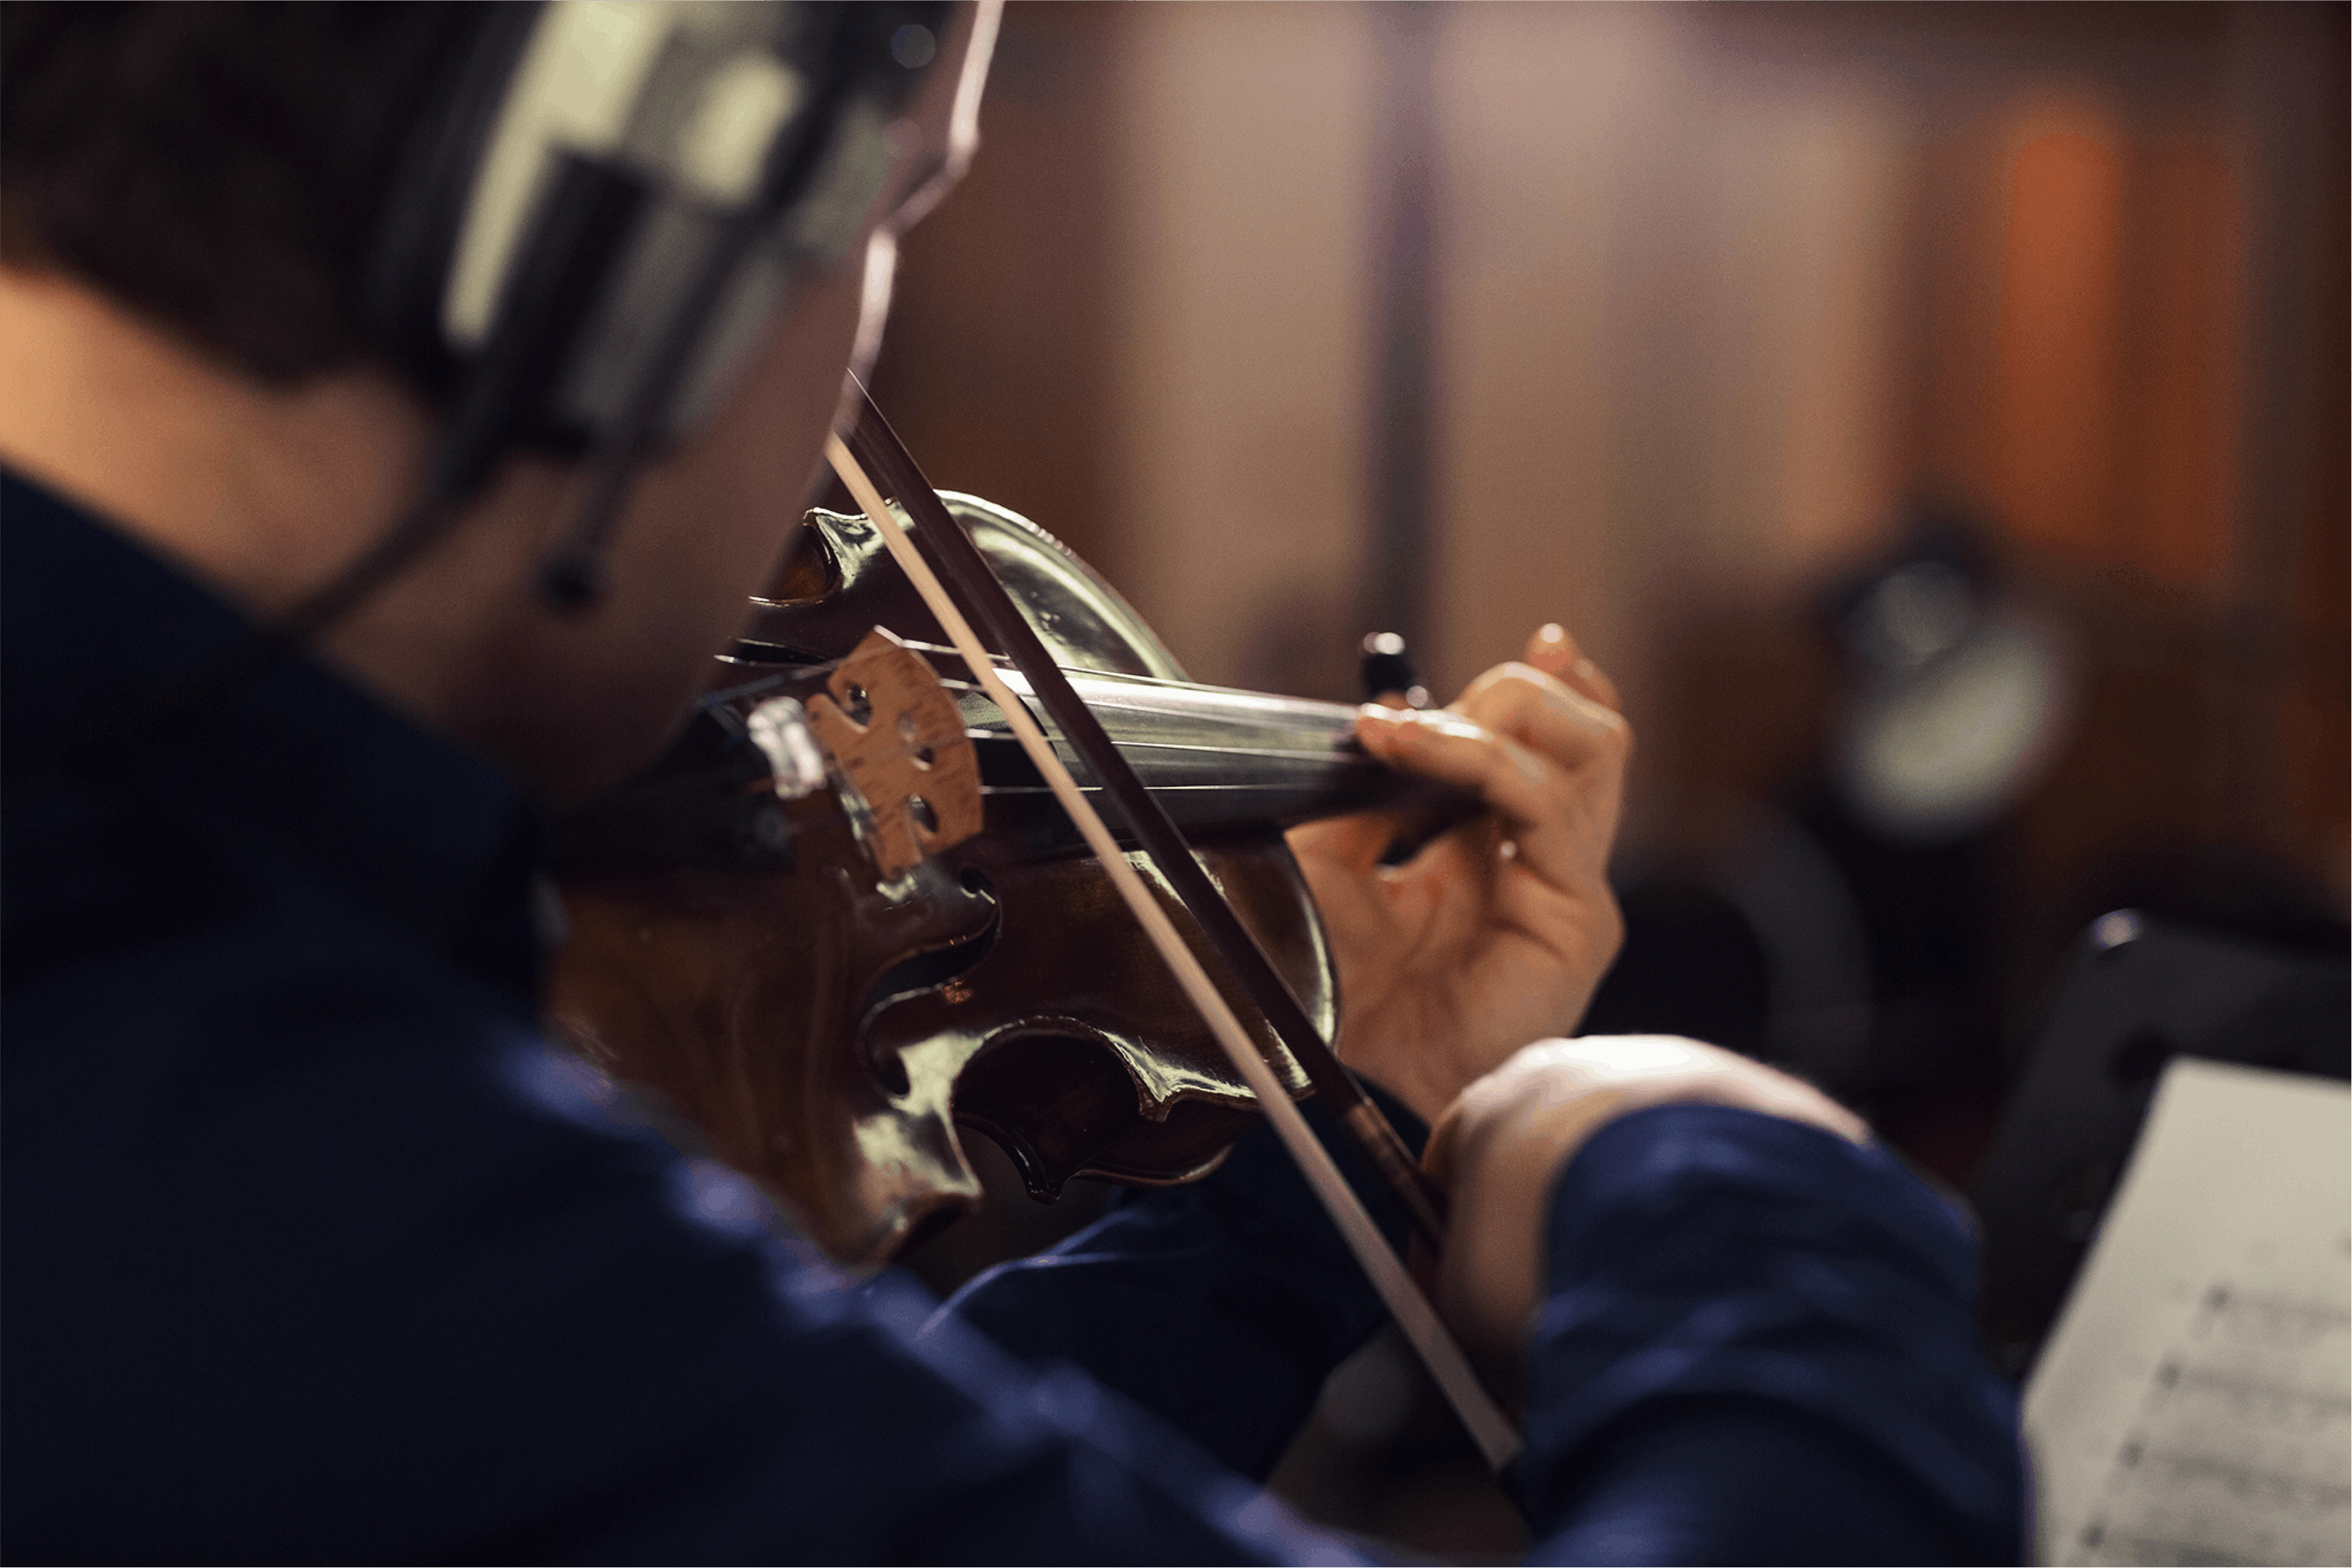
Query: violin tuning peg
(1388, 672)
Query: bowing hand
(1498, 932)
(1498, 1150)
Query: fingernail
(1384, 717)
(1552, 648)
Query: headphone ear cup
(414, 236)
(569, 253)
(601, 203)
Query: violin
(843, 918)
(839, 921)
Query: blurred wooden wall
(998, 365)
(1716, 296)
(1719, 291)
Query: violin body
(841, 921)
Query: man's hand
(1500, 1149)
(1498, 932)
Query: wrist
(1501, 1146)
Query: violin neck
(1220, 760)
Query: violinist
(398, 406)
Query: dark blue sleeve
(408, 1303)
(1221, 1306)
(1759, 1347)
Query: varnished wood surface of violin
(753, 941)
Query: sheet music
(2195, 1399)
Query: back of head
(216, 167)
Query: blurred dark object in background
(1954, 693)
(2254, 979)
(1847, 932)
(1693, 963)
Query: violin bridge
(897, 734)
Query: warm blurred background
(1934, 417)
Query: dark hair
(215, 167)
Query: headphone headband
(610, 152)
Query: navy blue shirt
(314, 1250)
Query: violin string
(953, 553)
(980, 734)
(1488, 1426)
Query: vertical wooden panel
(1810, 273)
(1396, 591)
(1951, 281)
(1241, 335)
(2177, 483)
(1537, 110)
(2293, 538)
(2052, 467)
(997, 366)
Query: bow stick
(945, 551)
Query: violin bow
(941, 549)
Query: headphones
(601, 205)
